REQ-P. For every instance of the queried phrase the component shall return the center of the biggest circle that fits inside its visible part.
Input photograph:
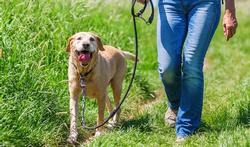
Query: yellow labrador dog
(102, 65)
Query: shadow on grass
(204, 127)
(243, 117)
(142, 124)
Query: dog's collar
(84, 76)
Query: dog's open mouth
(84, 57)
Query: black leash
(82, 83)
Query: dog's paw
(111, 124)
(72, 139)
(98, 133)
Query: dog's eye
(79, 38)
(91, 39)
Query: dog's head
(85, 46)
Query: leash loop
(141, 11)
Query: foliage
(33, 75)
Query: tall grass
(33, 73)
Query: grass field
(33, 78)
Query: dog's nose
(85, 45)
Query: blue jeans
(184, 31)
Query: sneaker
(170, 117)
(181, 139)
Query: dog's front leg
(100, 118)
(73, 120)
(74, 94)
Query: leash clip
(83, 85)
(82, 81)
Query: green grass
(33, 78)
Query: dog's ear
(70, 40)
(99, 41)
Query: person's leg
(171, 32)
(203, 18)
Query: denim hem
(182, 135)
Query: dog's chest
(92, 89)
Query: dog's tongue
(84, 57)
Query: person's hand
(142, 1)
(229, 24)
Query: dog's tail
(129, 56)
